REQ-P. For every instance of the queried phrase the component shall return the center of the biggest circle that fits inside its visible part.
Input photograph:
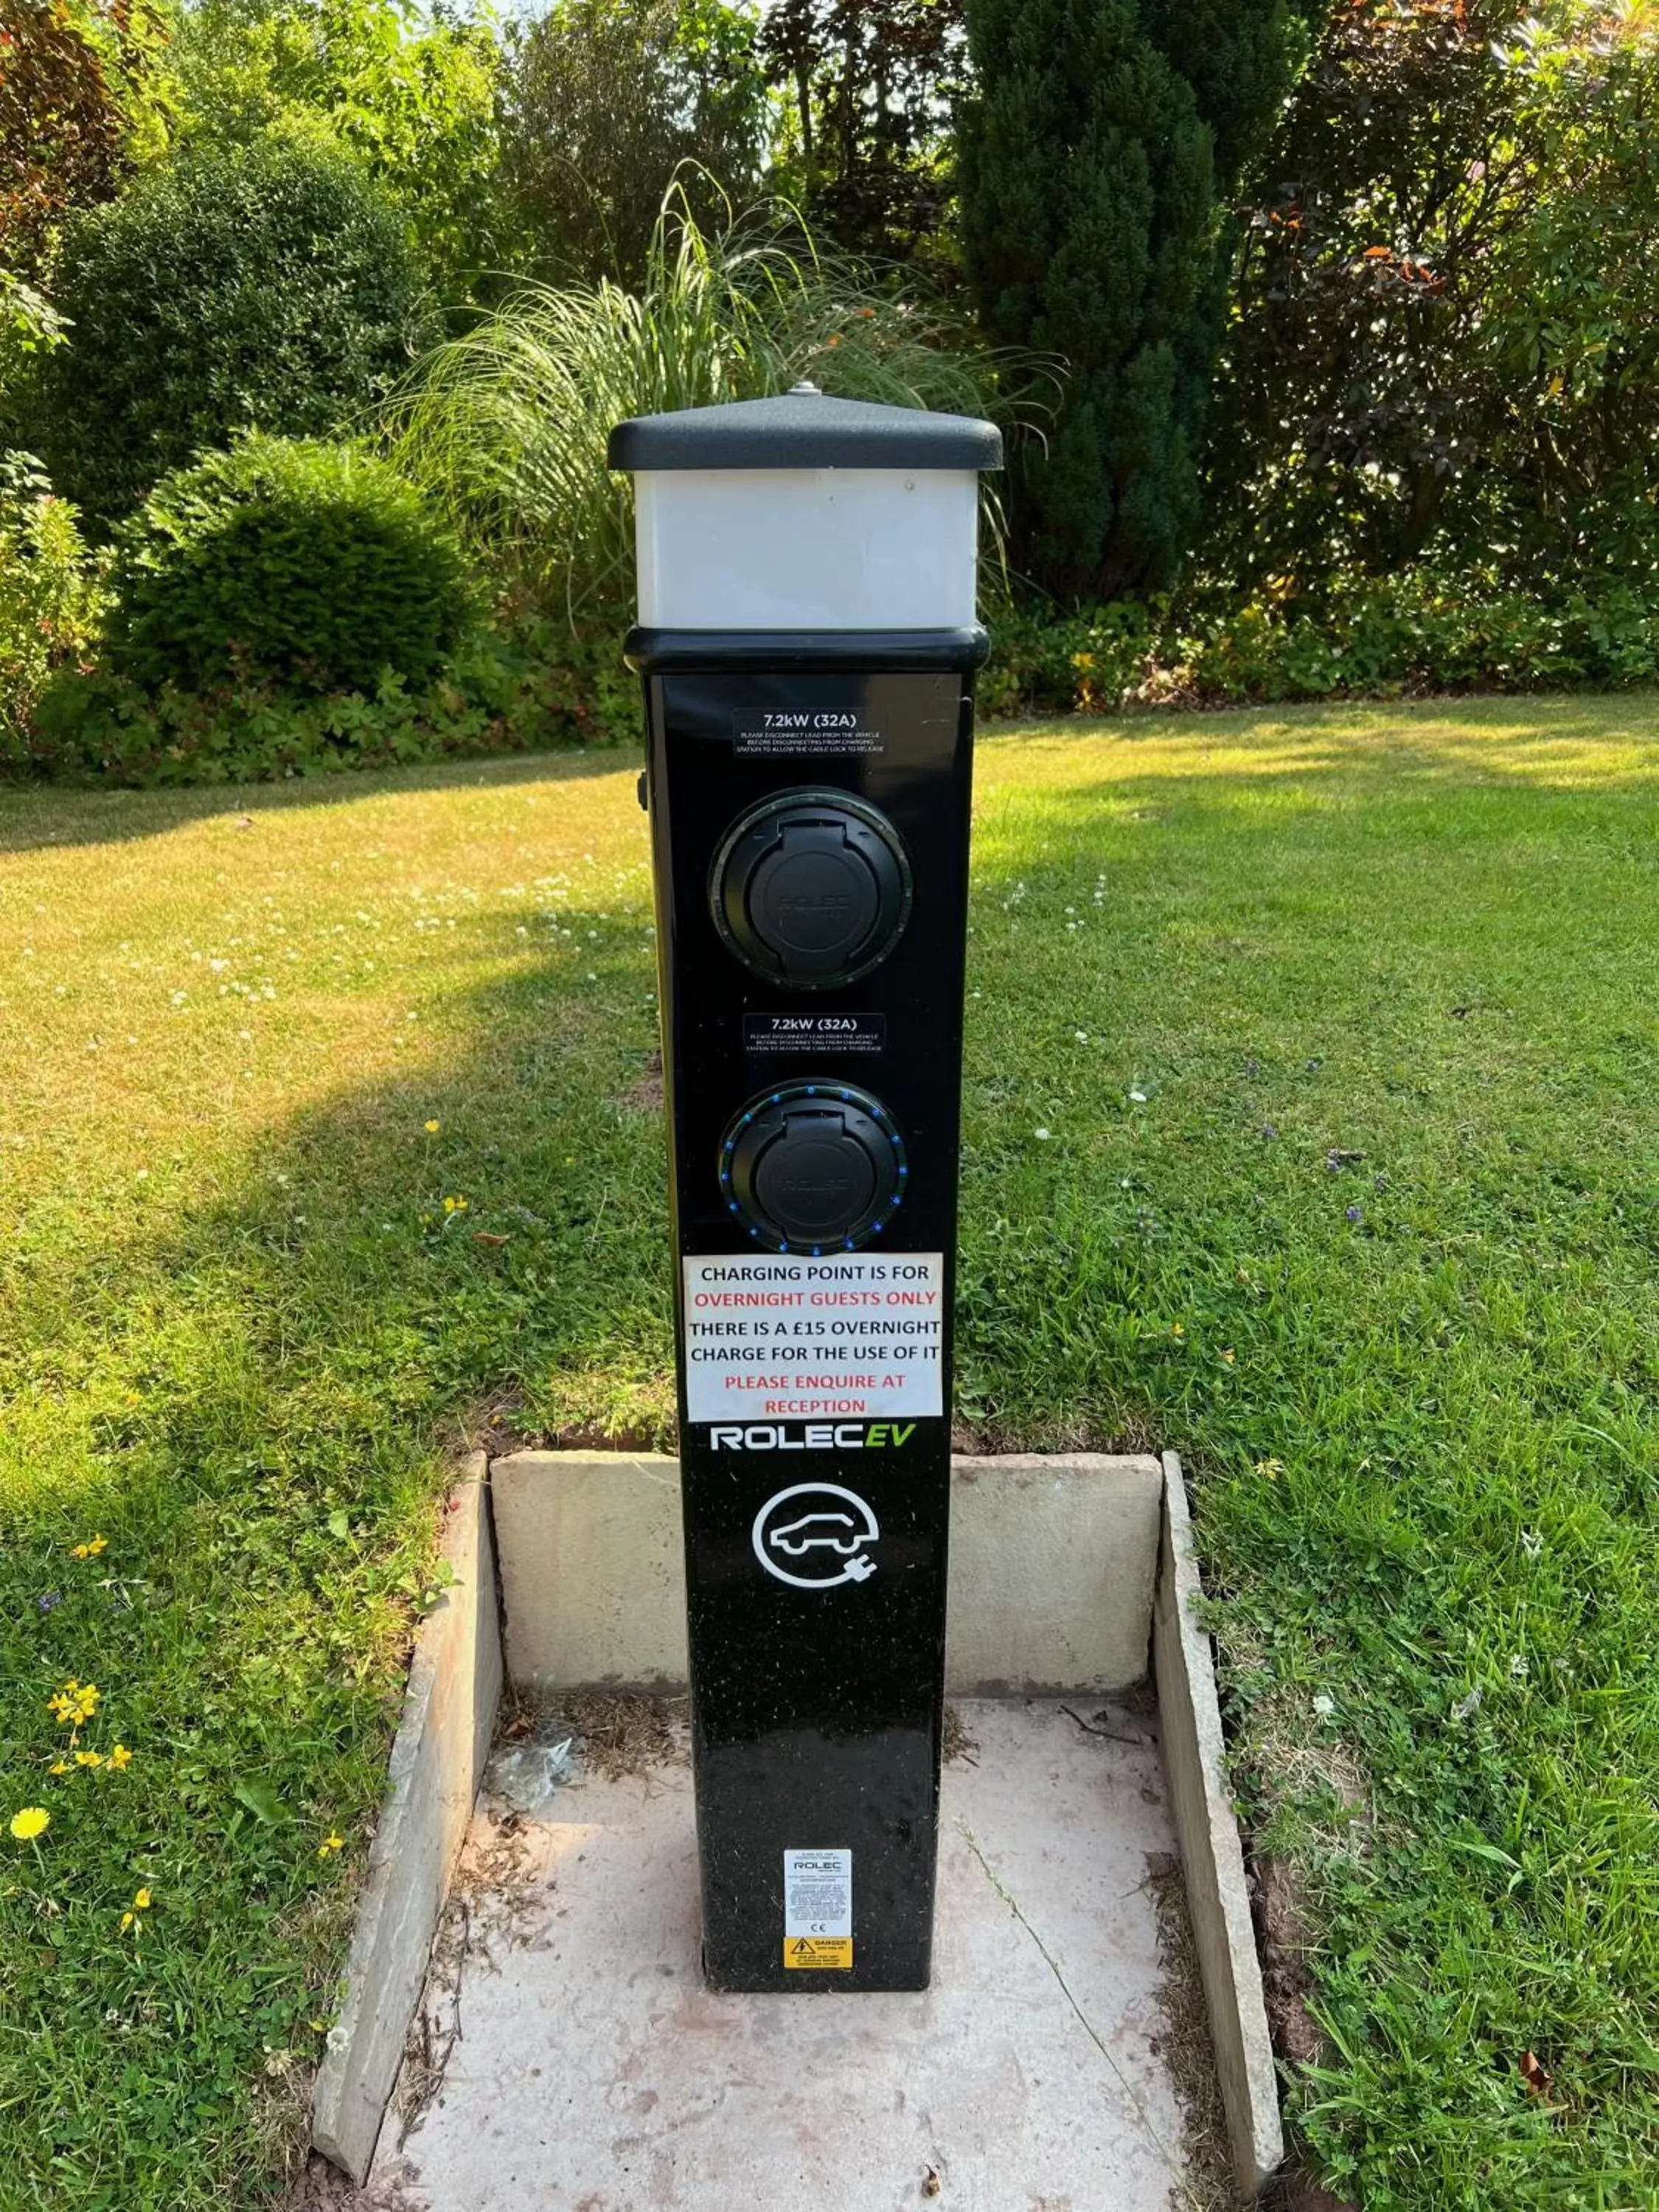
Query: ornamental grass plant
(507, 425)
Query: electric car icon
(834, 1532)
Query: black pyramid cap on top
(805, 429)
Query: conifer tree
(1091, 157)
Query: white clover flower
(1041, 1135)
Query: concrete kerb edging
(437, 1763)
(1212, 1856)
(1053, 1561)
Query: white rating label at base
(859, 1335)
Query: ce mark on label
(815, 1535)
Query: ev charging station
(807, 638)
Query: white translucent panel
(806, 549)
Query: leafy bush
(508, 424)
(310, 566)
(868, 99)
(411, 91)
(1415, 632)
(50, 598)
(1446, 329)
(66, 93)
(270, 287)
(602, 103)
(524, 689)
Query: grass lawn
(1312, 1128)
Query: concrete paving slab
(593, 2072)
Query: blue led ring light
(813, 1168)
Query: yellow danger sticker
(817, 1950)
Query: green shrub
(311, 567)
(410, 91)
(51, 597)
(268, 286)
(1416, 633)
(525, 688)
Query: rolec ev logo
(812, 1435)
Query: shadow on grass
(35, 816)
(1562, 744)
(1468, 739)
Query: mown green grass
(1374, 1247)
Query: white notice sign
(857, 1335)
(817, 1894)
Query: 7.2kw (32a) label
(809, 733)
(860, 1036)
(817, 1909)
(853, 1335)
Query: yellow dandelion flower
(90, 1549)
(329, 1843)
(454, 1206)
(142, 1901)
(120, 1757)
(127, 1919)
(34, 1821)
(58, 1766)
(89, 1758)
(1176, 1330)
(433, 1128)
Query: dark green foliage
(527, 687)
(604, 105)
(1086, 191)
(302, 563)
(1102, 137)
(1446, 343)
(1238, 55)
(410, 91)
(270, 285)
(870, 85)
(1384, 637)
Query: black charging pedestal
(808, 790)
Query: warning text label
(817, 1909)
